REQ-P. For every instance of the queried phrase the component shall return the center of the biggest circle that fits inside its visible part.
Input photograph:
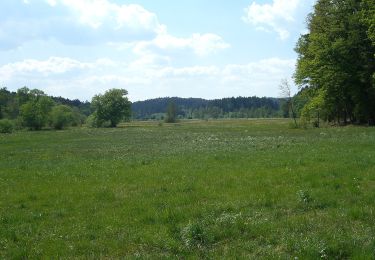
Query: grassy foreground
(251, 188)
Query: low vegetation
(235, 189)
(6, 126)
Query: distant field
(244, 188)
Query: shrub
(34, 114)
(6, 126)
(78, 118)
(61, 116)
(94, 121)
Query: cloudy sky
(152, 48)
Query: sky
(152, 48)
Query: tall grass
(244, 189)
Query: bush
(6, 126)
(61, 116)
(18, 123)
(95, 122)
(78, 118)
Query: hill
(239, 107)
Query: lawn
(197, 189)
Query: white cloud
(207, 43)
(95, 22)
(200, 44)
(51, 2)
(79, 22)
(51, 66)
(75, 79)
(97, 13)
(275, 16)
(29, 66)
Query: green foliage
(94, 122)
(196, 108)
(35, 112)
(6, 126)
(11, 102)
(61, 116)
(78, 118)
(4, 99)
(315, 108)
(337, 57)
(171, 115)
(113, 106)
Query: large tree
(111, 107)
(35, 112)
(336, 60)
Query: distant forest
(197, 108)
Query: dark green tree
(336, 60)
(4, 99)
(171, 115)
(111, 107)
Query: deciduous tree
(111, 107)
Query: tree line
(197, 108)
(34, 110)
(336, 62)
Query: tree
(314, 108)
(23, 95)
(61, 116)
(111, 107)
(34, 113)
(337, 58)
(4, 99)
(171, 116)
(286, 92)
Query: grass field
(216, 189)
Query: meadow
(196, 189)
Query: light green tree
(35, 112)
(111, 107)
(61, 116)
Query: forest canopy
(336, 63)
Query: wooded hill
(197, 108)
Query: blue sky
(152, 48)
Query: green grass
(216, 189)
